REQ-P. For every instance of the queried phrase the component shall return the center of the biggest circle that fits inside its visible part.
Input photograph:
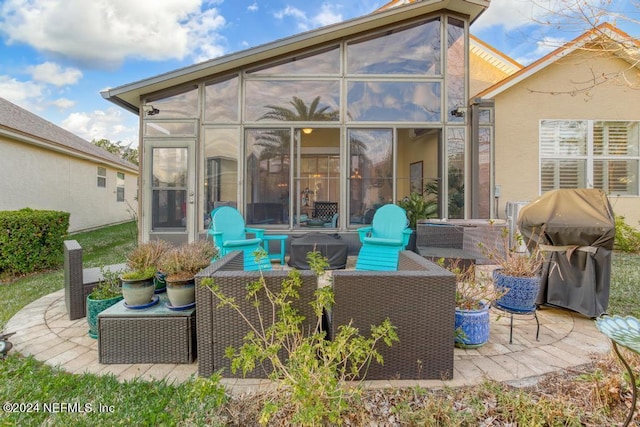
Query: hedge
(31, 240)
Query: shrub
(142, 261)
(31, 240)
(311, 374)
(627, 238)
(184, 262)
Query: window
(102, 177)
(591, 154)
(120, 187)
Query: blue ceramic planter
(472, 327)
(521, 295)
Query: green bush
(313, 377)
(627, 237)
(31, 240)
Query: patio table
(153, 335)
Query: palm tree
(301, 112)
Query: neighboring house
(570, 120)
(46, 167)
(353, 115)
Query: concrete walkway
(567, 340)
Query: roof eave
(128, 96)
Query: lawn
(595, 400)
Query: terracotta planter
(138, 292)
(95, 307)
(521, 292)
(181, 293)
(472, 327)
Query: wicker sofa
(220, 327)
(419, 299)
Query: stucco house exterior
(570, 120)
(325, 125)
(46, 167)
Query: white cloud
(203, 35)
(102, 33)
(111, 124)
(328, 15)
(28, 95)
(253, 7)
(293, 12)
(52, 73)
(63, 103)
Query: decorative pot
(95, 307)
(472, 327)
(160, 281)
(138, 292)
(182, 292)
(521, 292)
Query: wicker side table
(153, 335)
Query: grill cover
(578, 228)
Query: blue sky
(57, 55)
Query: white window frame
(589, 157)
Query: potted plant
(105, 294)
(180, 265)
(474, 296)
(138, 285)
(417, 208)
(518, 274)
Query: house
(569, 120)
(311, 132)
(46, 167)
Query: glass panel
(169, 188)
(616, 177)
(555, 174)
(484, 172)
(455, 158)
(394, 101)
(282, 100)
(616, 138)
(267, 180)
(221, 101)
(455, 68)
(317, 179)
(177, 106)
(318, 63)
(371, 173)
(164, 128)
(563, 137)
(484, 116)
(221, 169)
(414, 50)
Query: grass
(597, 395)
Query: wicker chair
(419, 299)
(221, 327)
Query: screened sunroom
(314, 132)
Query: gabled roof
(128, 96)
(629, 51)
(19, 124)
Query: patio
(567, 339)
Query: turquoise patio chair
(228, 231)
(382, 241)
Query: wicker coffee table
(153, 335)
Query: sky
(56, 56)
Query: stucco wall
(520, 108)
(42, 179)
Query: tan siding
(520, 108)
